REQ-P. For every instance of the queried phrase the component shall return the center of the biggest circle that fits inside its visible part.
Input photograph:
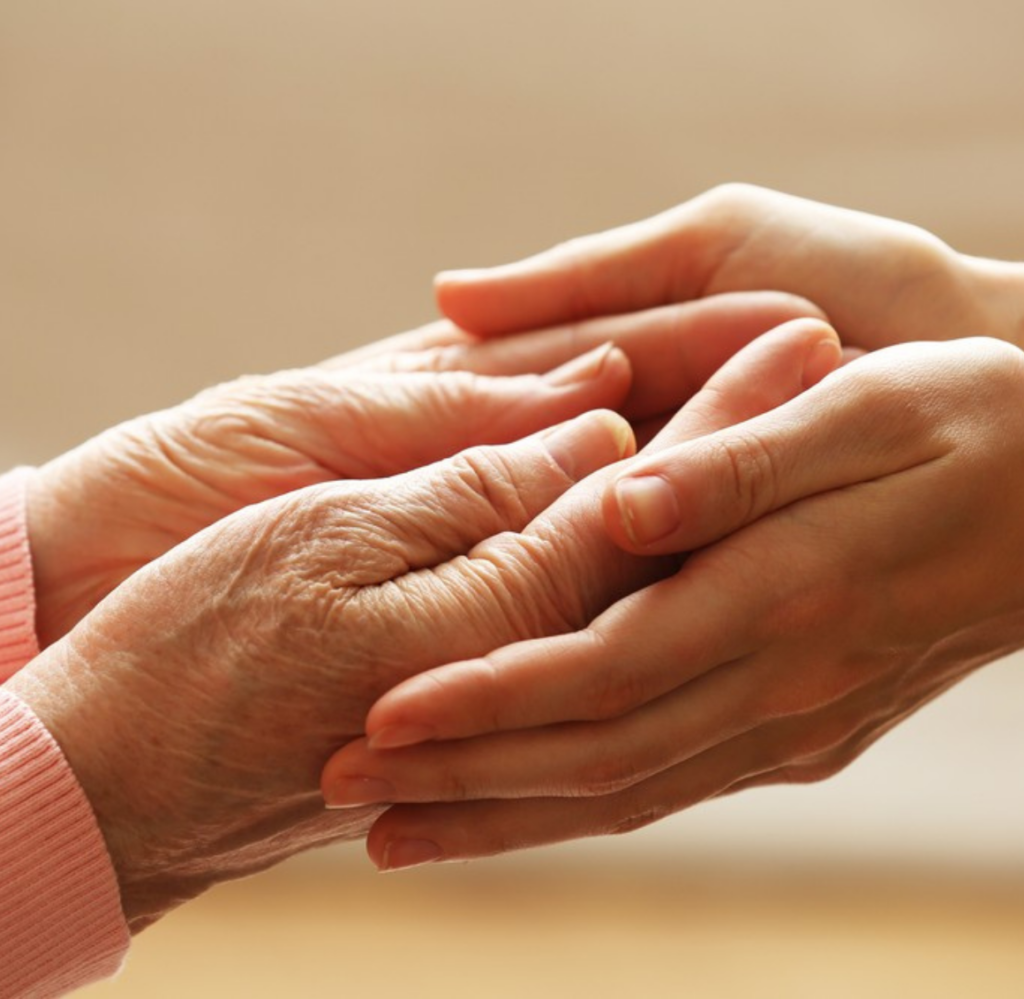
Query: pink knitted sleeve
(61, 924)
(17, 598)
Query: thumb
(855, 426)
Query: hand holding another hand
(855, 552)
(879, 281)
(198, 702)
(106, 509)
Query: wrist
(58, 695)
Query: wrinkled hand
(101, 512)
(880, 282)
(199, 701)
(872, 537)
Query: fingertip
(606, 362)
(641, 512)
(461, 297)
(824, 357)
(331, 771)
(496, 301)
(589, 442)
(618, 369)
(601, 377)
(398, 715)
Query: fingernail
(581, 369)
(352, 792)
(397, 736)
(589, 442)
(821, 360)
(401, 853)
(648, 508)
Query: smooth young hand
(871, 538)
(879, 281)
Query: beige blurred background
(194, 189)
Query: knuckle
(489, 475)
(639, 818)
(615, 691)
(446, 359)
(454, 786)
(489, 685)
(751, 475)
(529, 577)
(607, 775)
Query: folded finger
(368, 424)
(866, 423)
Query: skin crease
(894, 488)
(104, 510)
(198, 699)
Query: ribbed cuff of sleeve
(61, 925)
(18, 643)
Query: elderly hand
(880, 282)
(872, 535)
(104, 510)
(198, 702)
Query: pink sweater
(61, 924)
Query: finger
(673, 350)
(733, 238)
(862, 425)
(820, 700)
(368, 425)
(804, 748)
(568, 759)
(787, 360)
(770, 371)
(580, 676)
(408, 835)
(637, 266)
(425, 518)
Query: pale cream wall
(196, 188)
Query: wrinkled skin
(198, 702)
(856, 551)
(104, 510)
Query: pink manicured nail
(402, 853)
(581, 369)
(398, 736)
(647, 507)
(352, 792)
